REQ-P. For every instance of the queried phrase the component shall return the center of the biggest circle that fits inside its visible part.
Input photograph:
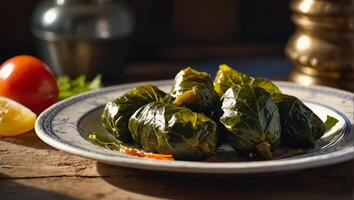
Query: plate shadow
(309, 184)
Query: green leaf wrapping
(168, 129)
(300, 126)
(194, 90)
(251, 119)
(116, 114)
(227, 77)
(330, 122)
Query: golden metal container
(322, 47)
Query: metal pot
(83, 36)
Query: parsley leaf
(330, 122)
(70, 87)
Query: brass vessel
(322, 47)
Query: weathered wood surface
(30, 169)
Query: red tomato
(29, 81)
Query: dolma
(116, 113)
(227, 77)
(300, 126)
(194, 90)
(168, 129)
(251, 119)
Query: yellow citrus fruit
(15, 118)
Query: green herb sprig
(69, 87)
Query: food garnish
(15, 119)
(69, 87)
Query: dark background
(177, 31)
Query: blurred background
(169, 35)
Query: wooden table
(30, 169)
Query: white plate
(67, 124)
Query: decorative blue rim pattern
(44, 129)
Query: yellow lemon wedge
(15, 118)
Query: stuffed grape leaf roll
(227, 77)
(168, 129)
(251, 119)
(116, 113)
(194, 90)
(300, 126)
